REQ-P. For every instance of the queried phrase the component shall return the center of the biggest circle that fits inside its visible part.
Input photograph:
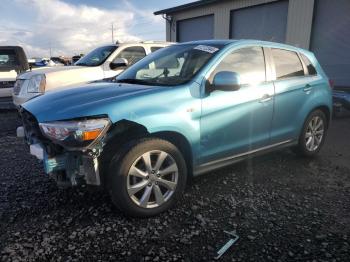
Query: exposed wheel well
(124, 131)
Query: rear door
(293, 88)
(235, 122)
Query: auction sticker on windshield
(206, 48)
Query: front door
(235, 122)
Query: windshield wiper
(133, 81)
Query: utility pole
(112, 33)
(50, 50)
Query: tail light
(331, 83)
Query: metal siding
(221, 11)
(263, 22)
(331, 39)
(299, 20)
(197, 28)
(300, 13)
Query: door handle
(307, 88)
(265, 98)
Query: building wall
(299, 19)
(299, 23)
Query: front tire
(147, 177)
(313, 134)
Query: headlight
(36, 84)
(75, 134)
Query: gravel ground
(284, 208)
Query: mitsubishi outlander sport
(182, 111)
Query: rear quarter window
(310, 67)
(287, 64)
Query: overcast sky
(76, 26)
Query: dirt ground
(284, 208)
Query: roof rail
(155, 42)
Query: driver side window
(248, 62)
(132, 54)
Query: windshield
(97, 56)
(8, 58)
(174, 65)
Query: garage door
(263, 22)
(198, 28)
(330, 39)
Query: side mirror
(226, 81)
(118, 63)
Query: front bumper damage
(68, 168)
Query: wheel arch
(181, 142)
(325, 109)
(124, 131)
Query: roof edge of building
(184, 7)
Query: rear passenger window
(310, 67)
(248, 62)
(287, 64)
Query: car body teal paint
(217, 124)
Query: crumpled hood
(89, 100)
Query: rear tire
(147, 177)
(313, 134)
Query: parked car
(75, 58)
(44, 62)
(13, 61)
(103, 62)
(182, 111)
(341, 99)
(60, 60)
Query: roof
(211, 42)
(185, 6)
(225, 42)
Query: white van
(101, 63)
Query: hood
(61, 76)
(8, 76)
(46, 70)
(89, 100)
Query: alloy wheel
(314, 133)
(152, 179)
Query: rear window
(310, 67)
(287, 64)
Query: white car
(101, 63)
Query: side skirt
(207, 167)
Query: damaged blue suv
(182, 111)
